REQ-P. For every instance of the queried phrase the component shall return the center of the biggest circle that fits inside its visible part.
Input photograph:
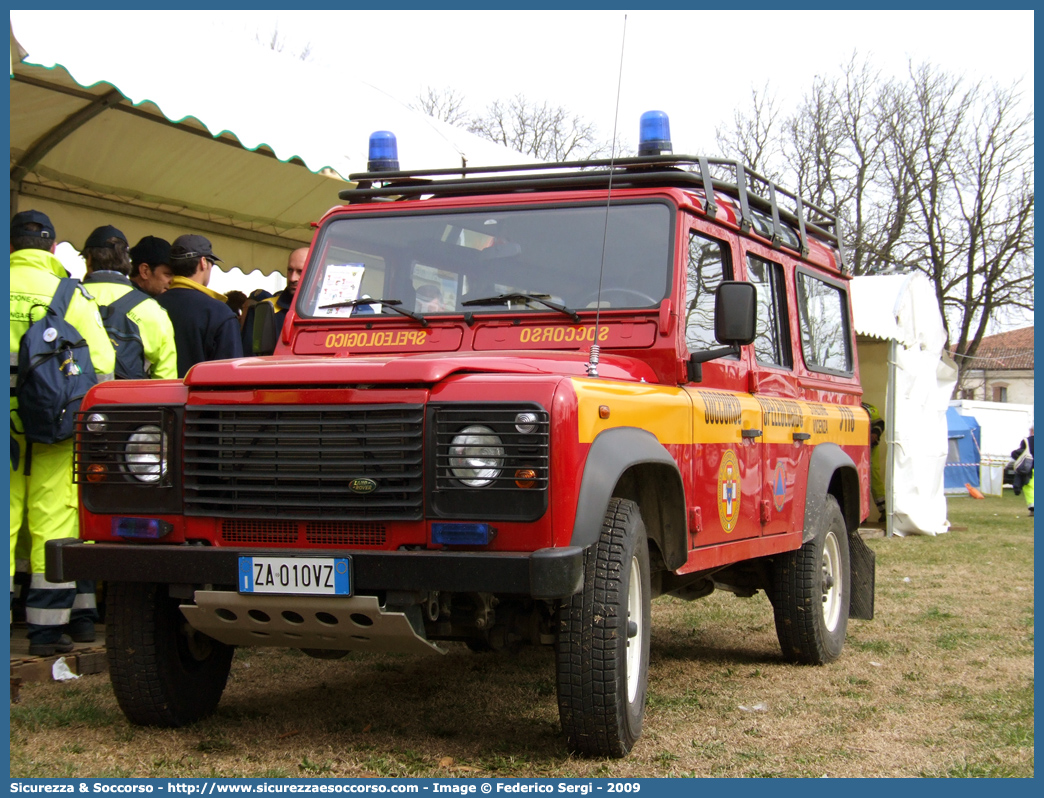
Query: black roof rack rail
(715, 176)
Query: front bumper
(542, 574)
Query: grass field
(939, 684)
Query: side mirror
(264, 332)
(735, 323)
(735, 313)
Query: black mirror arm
(697, 359)
(713, 354)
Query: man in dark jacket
(1023, 483)
(205, 328)
(280, 303)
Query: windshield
(516, 259)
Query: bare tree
(276, 42)
(753, 138)
(986, 241)
(444, 104)
(926, 173)
(550, 133)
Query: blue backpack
(54, 371)
(124, 335)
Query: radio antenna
(592, 362)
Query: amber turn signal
(525, 478)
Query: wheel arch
(630, 463)
(831, 472)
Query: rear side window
(825, 335)
(772, 344)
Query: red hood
(421, 368)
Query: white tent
(908, 375)
(154, 135)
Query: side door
(725, 486)
(782, 445)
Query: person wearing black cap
(205, 328)
(46, 496)
(108, 261)
(150, 265)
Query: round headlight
(146, 453)
(476, 456)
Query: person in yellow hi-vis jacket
(877, 475)
(144, 347)
(46, 496)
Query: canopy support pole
(59, 132)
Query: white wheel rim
(831, 581)
(634, 643)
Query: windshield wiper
(388, 303)
(503, 299)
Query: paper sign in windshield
(341, 283)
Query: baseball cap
(20, 222)
(191, 247)
(100, 236)
(151, 250)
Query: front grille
(256, 530)
(345, 533)
(304, 462)
(287, 532)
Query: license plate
(310, 576)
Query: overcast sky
(697, 66)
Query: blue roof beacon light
(384, 152)
(654, 134)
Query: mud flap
(862, 564)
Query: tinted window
(824, 324)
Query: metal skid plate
(320, 622)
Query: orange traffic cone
(974, 492)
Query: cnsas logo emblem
(362, 485)
(728, 491)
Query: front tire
(163, 672)
(602, 645)
(812, 590)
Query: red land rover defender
(509, 405)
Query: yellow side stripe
(678, 415)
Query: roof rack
(716, 176)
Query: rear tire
(812, 590)
(163, 672)
(602, 645)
